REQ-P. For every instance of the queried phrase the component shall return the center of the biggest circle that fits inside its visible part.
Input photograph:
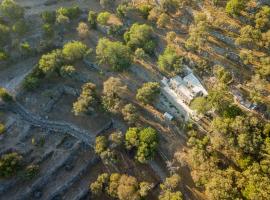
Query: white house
(181, 91)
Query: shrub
(130, 113)
(20, 27)
(67, 71)
(145, 10)
(74, 50)
(10, 163)
(103, 18)
(5, 96)
(262, 18)
(31, 171)
(3, 56)
(83, 30)
(2, 128)
(92, 19)
(163, 20)
(86, 99)
(249, 36)
(48, 17)
(234, 7)
(31, 82)
(50, 62)
(48, 30)
(170, 60)
(72, 12)
(4, 34)
(148, 92)
(11, 9)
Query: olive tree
(115, 54)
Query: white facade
(181, 91)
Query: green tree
(148, 92)
(98, 186)
(222, 186)
(103, 18)
(132, 138)
(67, 71)
(170, 60)
(130, 113)
(20, 27)
(255, 183)
(115, 54)
(262, 18)
(140, 36)
(148, 144)
(83, 30)
(249, 36)
(4, 34)
(48, 17)
(169, 188)
(11, 9)
(201, 105)
(86, 100)
(163, 20)
(101, 144)
(170, 5)
(92, 19)
(234, 7)
(10, 163)
(4, 95)
(74, 50)
(222, 75)
(2, 128)
(51, 62)
(31, 171)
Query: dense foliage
(114, 54)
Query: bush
(103, 18)
(234, 7)
(5, 96)
(86, 99)
(145, 10)
(262, 18)
(48, 30)
(72, 12)
(113, 53)
(106, 3)
(20, 27)
(92, 19)
(2, 128)
(67, 71)
(4, 34)
(31, 82)
(130, 113)
(170, 60)
(3, 56)
(11, 9)
(31, 171)
(48, 17)
(83, 30)
(10, 163)
(50, 62)
(163, 20)
(74, 50)
(148, 92)
(249, 36)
